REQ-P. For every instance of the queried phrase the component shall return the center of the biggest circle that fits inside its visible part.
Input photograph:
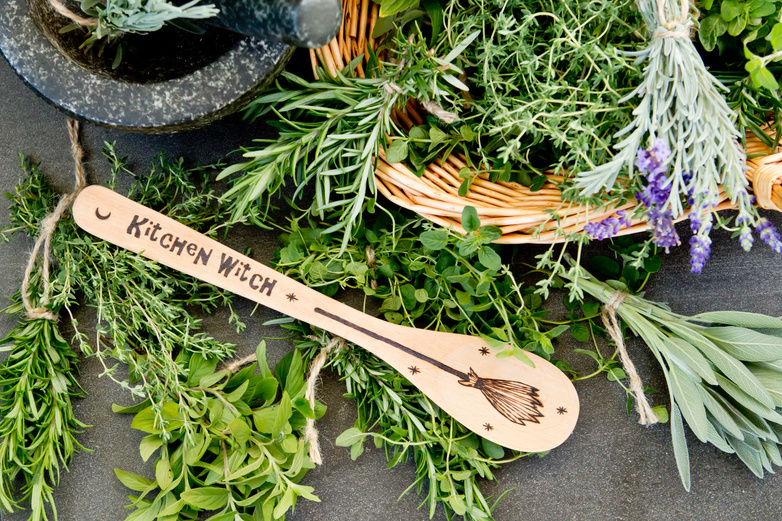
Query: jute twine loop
(668, 29)
(47, 229)
(764, 177)
(647, 416)
(70, 15)
(310, 432)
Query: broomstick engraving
(517, 401)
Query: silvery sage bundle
(723, 370)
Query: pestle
(303, 23)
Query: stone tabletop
(611, 468)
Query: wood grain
(505, 401)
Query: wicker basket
(523, 215)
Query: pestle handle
(303, 23)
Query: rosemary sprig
(38, 426)
(331, 132)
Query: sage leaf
(687, 354)
(716, 439)
(747, 401)
(746, 344)
(771, 381)
(721, 415)
(689, 400)
(679, 442)
(741, 376)
(749, 456)
(739, 319)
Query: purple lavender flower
(700, 248)
(769, 234)
(654, 195)
(664, 234)
(608, 227)
(745, 236)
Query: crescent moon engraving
(101, 217)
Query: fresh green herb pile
(143, 321)
(235, 449)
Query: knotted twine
(647, 416)
(70, 15)
(310, 432)
(48, 225)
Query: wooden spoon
(505, 401)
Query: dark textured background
(610, 469)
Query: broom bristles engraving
(518, 402)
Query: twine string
(668, 29)
(310, 432)
(47, 229)
(647, 416)
(60, 8)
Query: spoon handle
(507, 402)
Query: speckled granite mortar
(165, 94)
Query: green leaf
(133, 481)
(350, 436)
(206, 498)
(489, 258)
(775, 37)
(688, 398)
(434, 240)
(492, 449)
(748, 402)
(466, 131)
(604, 266)
(470, 220)
(762, 77)
(163, 474)
(240, 430)
(653, 264)
(198, 367)
(580, 332)
(707, 33)
(687, 355)
(679, 442)
(737, 25)
(149, 444)
(260, 355)
(746, 344)
(397, 152)
(392, 7)
(730, 9)
(739, 319)
(661, 412)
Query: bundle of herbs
(513, 96)
(722, 370)
(144, 321)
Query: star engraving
(484, 351)
(291, 297)
(561, 410)
(413, 369)
(488, 426)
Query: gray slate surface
(610, 469)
